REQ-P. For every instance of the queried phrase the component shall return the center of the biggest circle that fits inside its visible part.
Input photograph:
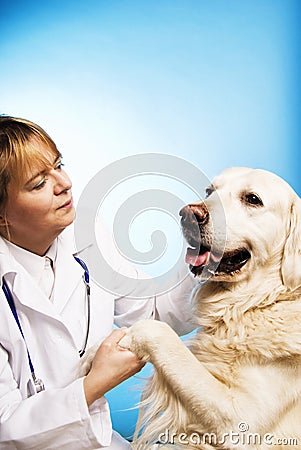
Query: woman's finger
(116, 335)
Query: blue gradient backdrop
(216, 82)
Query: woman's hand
(111, 365)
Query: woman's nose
(62, 182)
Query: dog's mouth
(200, 258)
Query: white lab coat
(58, 418)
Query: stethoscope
(39, 385)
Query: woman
(44, 316)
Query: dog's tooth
(208, 258)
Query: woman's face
(37, 212)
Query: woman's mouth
(67, 204)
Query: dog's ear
(291, 259)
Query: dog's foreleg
(190, 380)
(217, 406)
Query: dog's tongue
(194, 259)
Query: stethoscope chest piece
(39, 385)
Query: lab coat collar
(7, 262)
(34, 264)
(68, 275)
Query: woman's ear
(291, 258)
(3, 221)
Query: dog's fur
(243, 366)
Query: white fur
(244, 363)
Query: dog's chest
(218, 355)
(259, 338)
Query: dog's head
(249, 220)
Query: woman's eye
(58, 165)
(40, 184)
(253, 199)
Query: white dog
(238, 385)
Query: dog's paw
(131, 342)
(144, 337)
(86, 361)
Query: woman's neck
(38, 247)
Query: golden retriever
(238, 383)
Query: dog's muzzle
(200, 256)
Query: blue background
(216, 82)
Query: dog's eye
(209, 191)
(253, 199)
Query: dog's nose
(194, 213)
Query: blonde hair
(20, 142)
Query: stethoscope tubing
(39, 385)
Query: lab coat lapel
(30, 295)
(68, 275)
